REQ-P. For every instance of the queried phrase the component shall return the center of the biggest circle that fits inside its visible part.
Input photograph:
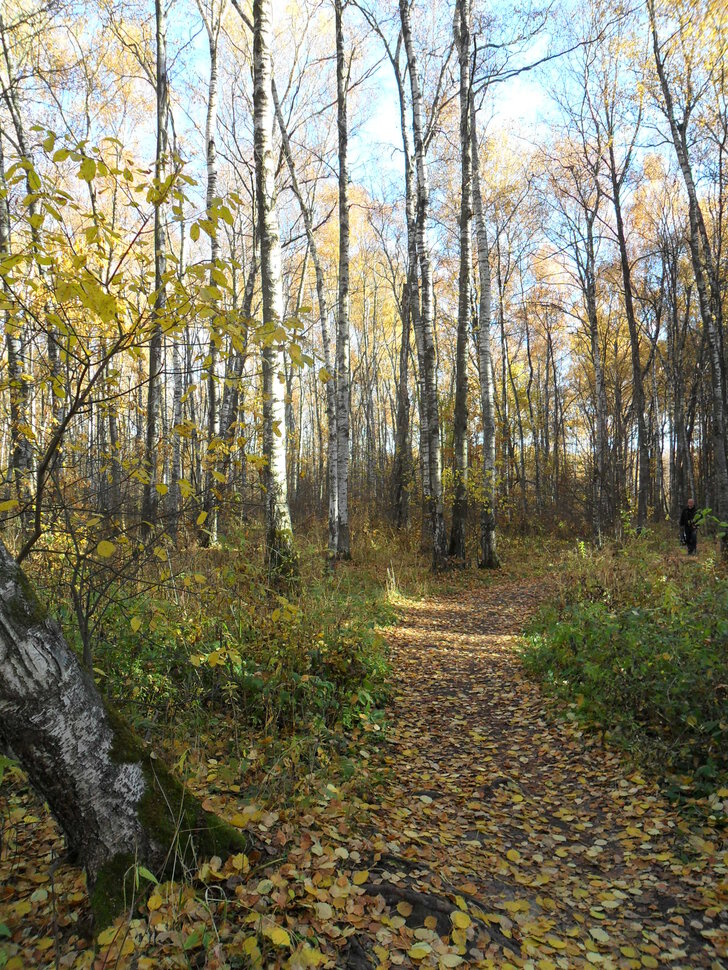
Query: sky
(520, 104)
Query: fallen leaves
(498, 837)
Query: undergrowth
(636, 642)
(257, 689)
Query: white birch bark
(343, 544)
(279, 537)
(488, 545)
(331, 403)
(117, 805)
(460, 416)
(212, 13)
(154, 387)
(437, 516)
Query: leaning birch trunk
(488, 551)
(460, 416)
(343, 548)
(429, 378)
(279, 536)
(117, 804)
(331, 404)
(154, 387)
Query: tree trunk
(460, 416)
(280, 553)
(488, 551)
(117, 804)
(154, 387)
(20, 449)
(706, 280)
(638, 390)
(212, 16)
(343, 548)
(331, 403)
(429, 377)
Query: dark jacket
(686, 517)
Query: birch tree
(331, 398)
(426, 322)
(488, 546)
(460, 499)
(279, 536)
(212, 13)
(154, 388)
(704, 257)
(343, 399)
(116, 803)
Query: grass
(636, 643)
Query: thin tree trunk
(20, 450)
(331, 402)
(460, 417)
(343, 547)
(212, 16)
(437, 516)
(706, 281)
(280, 553)
(488, 547)
(154, 387)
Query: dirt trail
(571, 857)
(499, 838)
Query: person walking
(688, 527)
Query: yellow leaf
(105, 548)
(250, 947)
(648, 961)
(600, 936)
(419, 951)
(360, 877)
(12, 503)
(461, 920)
(155, 902)
(277, 935)
(404, 909)
(107, 936)
(201, 518)
(513, 855)
(135, 623)
(87, 170)
(161, 488)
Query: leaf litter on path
(497, 836)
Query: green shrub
(638, 645)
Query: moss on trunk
(175, 829)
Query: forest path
(561, 854)
(481, 831)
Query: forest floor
(483, 829)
